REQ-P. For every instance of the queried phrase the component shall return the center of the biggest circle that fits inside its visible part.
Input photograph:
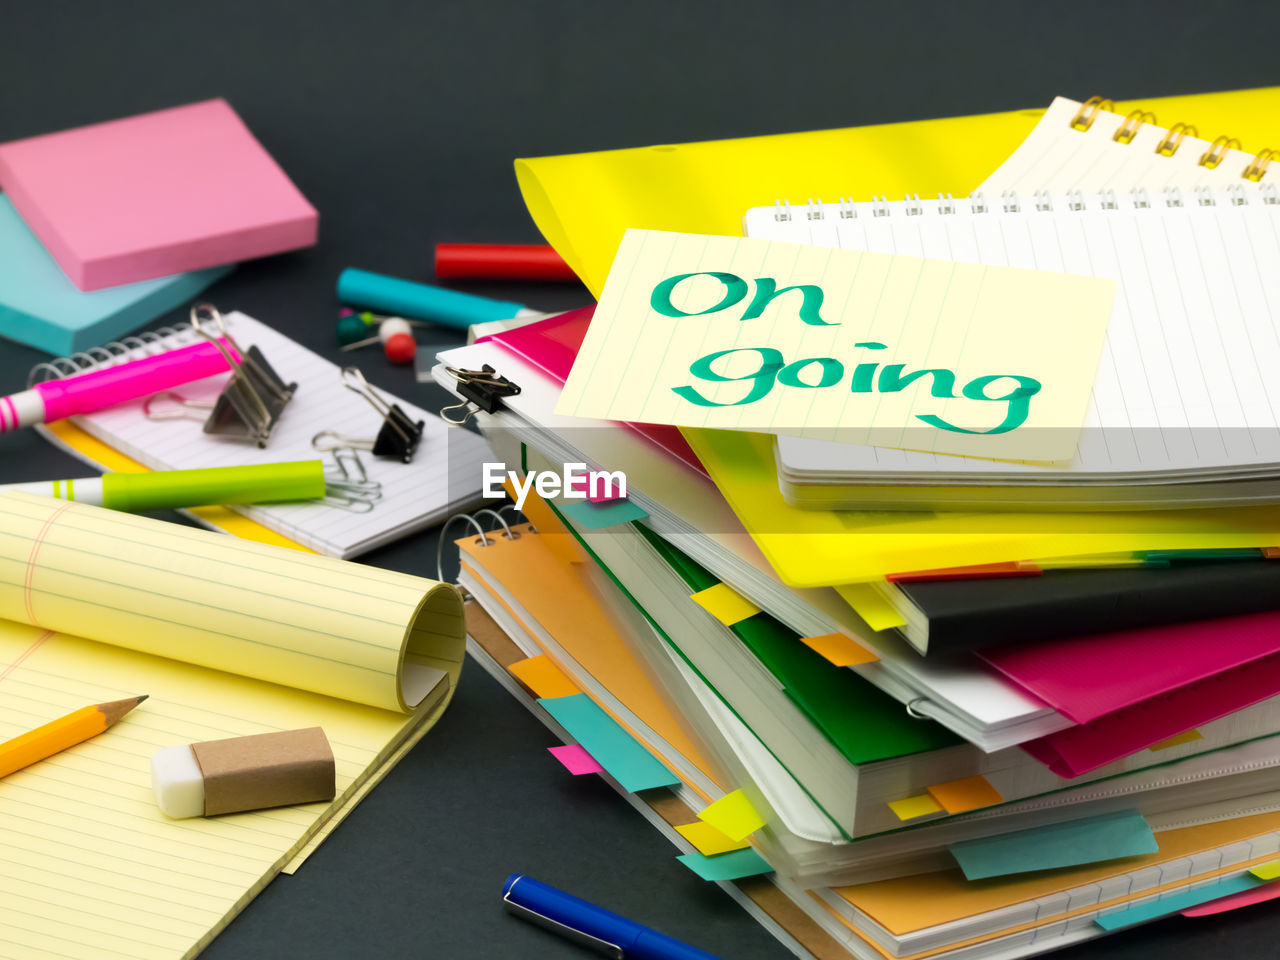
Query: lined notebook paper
(1186, 384)
(91, 867)
(443, 477)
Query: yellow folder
(583, 203)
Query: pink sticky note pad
(576, 760)
(1269, 891)
(153, 195)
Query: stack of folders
(1044, 710)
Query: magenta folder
(552, 344)
(1077, 750)
(153, 195)
(1085, 678)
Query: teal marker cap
(421, 301)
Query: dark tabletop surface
(399, 121)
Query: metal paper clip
(350, 487)
(168, 405)
(399, 436)
(484, 388)
(251, 402)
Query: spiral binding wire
(1139, 198)
(484, 535)
(1172, 139)
(117, 351)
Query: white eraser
(178, 782)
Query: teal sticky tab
(1179, 901)
(1108, 836)
(40, 307)
(727, 866)
(596, 516)
(634, 767)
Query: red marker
(500, 261)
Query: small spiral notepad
(443, 476)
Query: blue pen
(591, 925)
(421, 301)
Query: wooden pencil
(58, 735)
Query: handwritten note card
(866, 348)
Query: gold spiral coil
(1217, 150)
(1088, 112)
(1132, 123)
(1258, 166)
(1173, 139)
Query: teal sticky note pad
(40, 307)
(596, 516)
(1108, 836)
(727, 866)
(1179, 901)
(634, 767)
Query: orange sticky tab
(709, 841)
(913, 807)
(1271, 553)
(959, 796)
(1187, 736)
(839, 649)
(725, 604)
(543, 677)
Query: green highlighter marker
(259, 483)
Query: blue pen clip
(555, 926)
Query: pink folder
(1084, 678)
(153, 195)
(1077, 750)
(551, 345)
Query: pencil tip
(143, 697)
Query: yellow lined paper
(91, 867)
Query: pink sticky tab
(605, 491)
(576, 760)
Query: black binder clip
(484, 388)
(253, 399)
(399, 436)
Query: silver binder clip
(253, 399)
(397, 438)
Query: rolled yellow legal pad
(243, 773)
(231, 639)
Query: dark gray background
(399, 121)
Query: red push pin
(396, 336)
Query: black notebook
(950, 615)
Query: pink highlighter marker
(95, 389)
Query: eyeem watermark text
(574, 482)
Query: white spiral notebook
(1185, 409)
(443, 477)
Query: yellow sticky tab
(1267, 871)
(871, 606)
(959, 796)
(733, 815)
(709, 841)
(839, 649)
(913, 807)
(543, 677)
(725, 604)
(1187, 736)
